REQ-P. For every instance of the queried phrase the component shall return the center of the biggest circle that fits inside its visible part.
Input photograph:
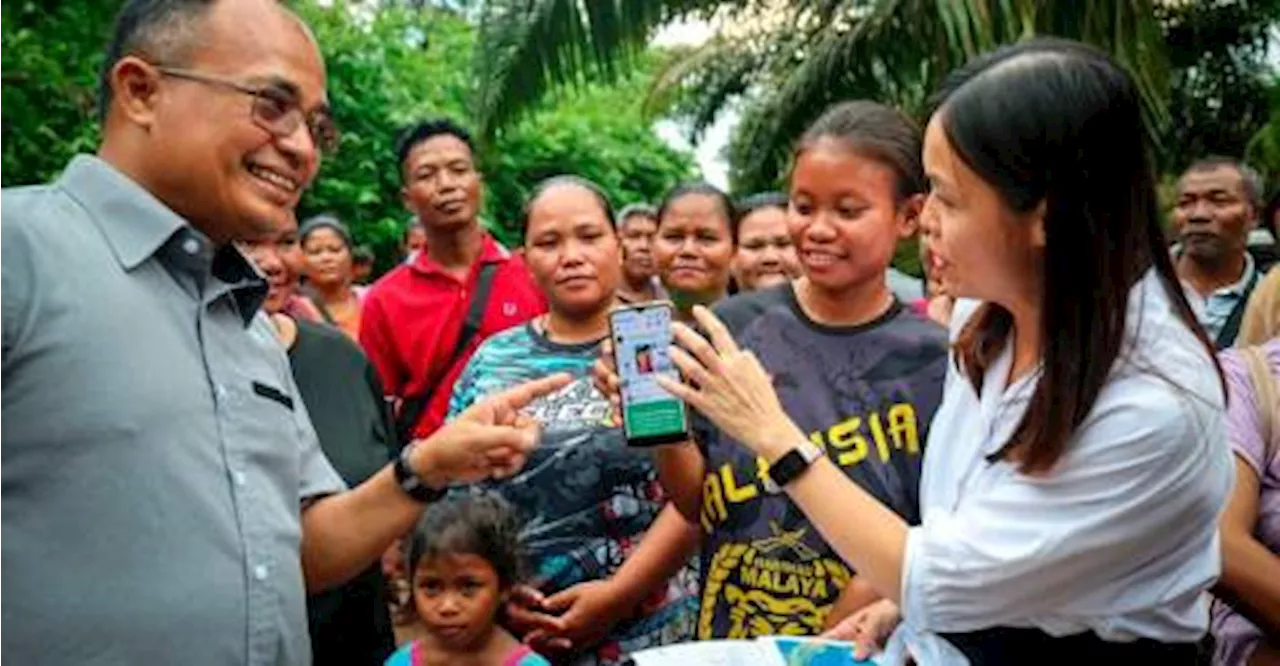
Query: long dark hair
(1057, 122)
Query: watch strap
(410, 482)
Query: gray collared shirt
(1219, 305)
(155, 448)
(1215, 309)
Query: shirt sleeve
(1140, 488)
(375, 338)
(1244, 429)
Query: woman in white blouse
(1077, 466)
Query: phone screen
(641, 344)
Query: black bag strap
(412, 408)
(324, 312)
(319, 303)
(1231, 328)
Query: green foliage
(791, 60)
(528, 47)
(1219, 99)
(598, 133)
(406, 65)
(386, 69)
(52, 52)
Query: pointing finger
(519, 397)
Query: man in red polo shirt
(414, 316)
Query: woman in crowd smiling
(766, 256)
(695, 245)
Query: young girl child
(463, 558)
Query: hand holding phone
(641, 339)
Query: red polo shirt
(412, 318)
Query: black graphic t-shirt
(866, 395)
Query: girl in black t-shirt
(861, 373)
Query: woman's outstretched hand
(730, 387)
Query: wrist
(624, 596)
(777, 439)
(424, 463)
(625, 593)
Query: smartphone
(641, 335)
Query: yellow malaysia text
(846, 443)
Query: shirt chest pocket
(263, 430)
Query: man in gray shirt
(164, 497)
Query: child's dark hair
(482, 525)
(877, 131)
(705, 189)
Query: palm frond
(698, 84)
(527, 47)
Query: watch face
(787, 468)
(791, 465)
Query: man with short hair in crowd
(637, 227)
(165, 500)
(415, 320)
(1218, 200)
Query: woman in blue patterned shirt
(587, 498)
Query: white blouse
(1119, 538)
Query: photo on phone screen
(641, 343)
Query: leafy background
(386, 68)
(560, 86)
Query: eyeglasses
(274, 111)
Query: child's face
(457, 597)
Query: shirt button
(239, 478)
(191, 246)
(221, 391)
(260, 572)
